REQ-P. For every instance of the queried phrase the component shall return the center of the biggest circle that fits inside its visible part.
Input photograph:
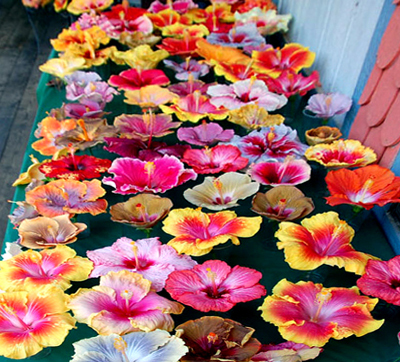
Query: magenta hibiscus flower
(215, 286)
(205, 135)
(289, 172)
(133, 79)
(214, 160)
(148, 257)
(382, 280)
(132, 175)
(136, 148)
(268, 143)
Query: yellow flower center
(323, 296)
(120, 345)
(212, 337)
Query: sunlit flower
(270, 143)
(150, 96)
(245, 92)
(220, 54)
(136, 148)
(215, 286)
(328, 105)
(142, 57)
(323, 134)
(148, 257)
(320, 239)
(194, 107)
(222, 192)
(180, 6)
(253, 117)
(196, 232)
(189, 67)
(32, 173)
(274, 173)
(146, 126)
(75, 167)
(78, 7)
(267, 22)
(86, 134)
(205, 134)
(133, 79)
(123, 303)
(42, 232)
(139, 347)
(217, 339)
(31, 320)
(286, 352)
(68, 197)
(218, 17)
(341, 153)
(215, 159)
(142, 211)
(274, 61)
(282, 203)
(132, 175)
(311, 314)
(238, 37)
(61, 67)
(90, 19)
(32, 269)
(367, 186)
(382, 280)
(49, 129)
(290, 83)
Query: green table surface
(259, 252)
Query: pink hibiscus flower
(214, 160)
(276, 142)
(133, 79)
(205, 135)
(288, 172)
(147, 257)
(382, 280)
(132, 175)
(244, 92)
(215, 286)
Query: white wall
(339, 31)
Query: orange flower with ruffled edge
(214, 54)
(60, 5)
(234, 72)
(33, 173)
(184, 47)
(78, 7)
(274, 61)
(68, 197)
(32, 269)
(194, 107)
(311, 314)
(44, 232)
(50, 129)
(142, 57)
(252, 117)
(366, 187)
(33, 319)
(196, 233)
(320, 239)
(341, 153)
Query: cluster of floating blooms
(256, 156)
